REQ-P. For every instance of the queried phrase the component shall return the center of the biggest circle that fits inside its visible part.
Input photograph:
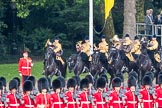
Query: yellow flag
(108, 5)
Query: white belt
(71, 102)
(100, 102)
(117, 102)
(85, 102)
(147, 100)
(132, 102)
(29, 105)
(58, 103)
(26, 67)
(1, 104)
(14, 104)
(159, 98)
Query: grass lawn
(11, 70)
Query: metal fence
(155, 30)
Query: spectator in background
(148, 22)
(152, 15)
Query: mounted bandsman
(136, 50)
(116, 42)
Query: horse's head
(95, 57)
(72, 61)
(49, 51)
(113, 54)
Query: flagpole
(91, 24)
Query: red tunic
(131, 100)
(71, 102)
(24, 66)
(43, 100)
(13, 102)
(147, 99)
(28, 102)
(84, 102)
(159, 96)
(56, 101)
(99, 101)
(115, 100)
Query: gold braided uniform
(116, 44)
(136, 48)
(103, 47)
(128, 53)
(153, 45)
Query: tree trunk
(140, 10)
(130, 17)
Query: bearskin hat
(13, 84)
(120, 75)
(127, 35)
(101, 82)
(18, 80)
(62, 80)
(1, 85)
(90, 78)
(116, 82)
(3, 80)
(84, 83)
(131, 81)
(56, 84)
(71, 83)
(28, 86)
(77, 79)
(151, 74)
(160, 79)
(105, 76)
(32, 79)
(147, 80)
(134, 74)
(43, 84)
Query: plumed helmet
(13, 84)
(1, 85)
(134, 74)
(84, 83)
(116, 82)
(56, 38)
(32, 79)
(28, 86)
(62, 80)
(160, 79)
(56, 84)
(18, 80)
(105, 76)
(103, 37)
(147, 80)
(131, 81)
(101, 82)
(90, 78)
(77, 79)
(71, 83)
(151, 74)
(3, 80)
(127, 35)
(43, 84)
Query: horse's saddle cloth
(157, 57)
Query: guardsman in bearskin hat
(29, 99)
(33, 80)
(2, 105)
(43, 98)
(84, 101)
(106, 86)
(128, 47)
(115, 98)
(159, 93)
(56, 101)
(103, 47)
(152, 48)
(116, 42)
(99, 100)
(13, 102)
(91, 82)
(136, 50)
(147, 100)
(131, 98)
(24, 66)
(71, 84)
(3, 80)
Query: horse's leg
(139, 78)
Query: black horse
(53, 66)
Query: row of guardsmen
(86, 93)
